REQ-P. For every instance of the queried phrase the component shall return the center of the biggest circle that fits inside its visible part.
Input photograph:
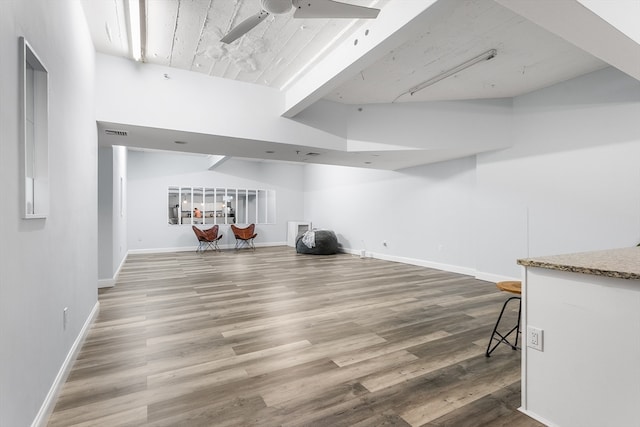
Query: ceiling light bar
(137, 28)
(490, 54)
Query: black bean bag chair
(320, 242)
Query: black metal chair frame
(206, 244)
(504, 339)
(242, 241)
(203, 242)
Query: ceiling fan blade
(332, 9)
(244, 27)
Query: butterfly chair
(207, 238)
(244, 236)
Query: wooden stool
(514, 287)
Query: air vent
(116, 132)
(313, 154)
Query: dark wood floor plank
(273, 338)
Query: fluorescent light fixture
(490, 54)
(136, 30)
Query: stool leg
(503, 338)
(518, 324)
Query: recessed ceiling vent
(116, 132)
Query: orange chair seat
(513, 286)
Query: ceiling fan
(304, 9)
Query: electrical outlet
(534, 338)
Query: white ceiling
(529, 58)
(185, 34)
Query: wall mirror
(34, 133)
(209, 206)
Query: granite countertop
(620, 263)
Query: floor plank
(274, 338)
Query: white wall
(105, 213)
(570, 183)
(425, 214)
(47, 264)
(119, 208)
(478, 124)
(151, 173)
(622, 14)
(112, 224)
(326, 115)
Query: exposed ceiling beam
(582, 26)
(397, 23)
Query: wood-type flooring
(274, 338)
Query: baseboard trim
(258, 245)
(489, 277)
(413, 261)
(161, 250)
(106, 283)
(110, 283)
(50, 400)
(537, 418)
(193, 248)
(429, 264)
